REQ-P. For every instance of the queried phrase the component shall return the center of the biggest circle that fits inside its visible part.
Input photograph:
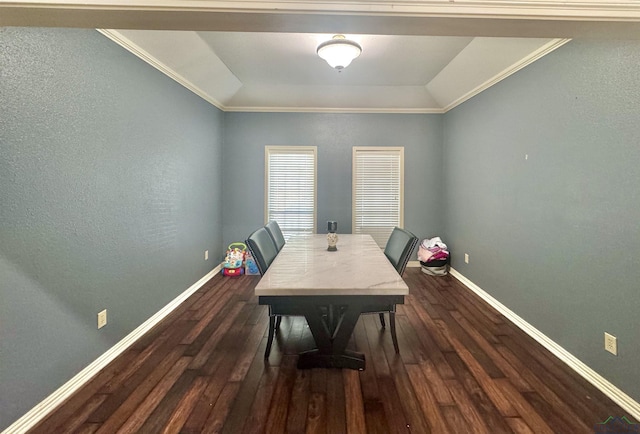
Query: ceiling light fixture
(339, 51)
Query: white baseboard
(605, 386)
(414, 264)
(40, 411)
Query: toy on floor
(234, 261)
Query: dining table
(331, 289)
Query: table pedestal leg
(332, 331)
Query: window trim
(268, 149)
(381, 149)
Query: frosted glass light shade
(339, 51)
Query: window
(290, 188)
(378, 191)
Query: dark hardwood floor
(462, 368)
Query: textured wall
(110, 190)
(556, 237)
(246, 135)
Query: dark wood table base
(331, 320)
(347, 360)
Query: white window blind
(290, 188)
(378, 191)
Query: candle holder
(332, 236)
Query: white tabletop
(304, 266)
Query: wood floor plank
(144, 408)
(484, 379)
(556, 420)
(375, 419)
(410, 348)
(431, 347)
(594, 399)
(413, 413)
(484, 326)
(368, 382)
(452, 328)
(397, 421)
(477, 395)
(277, 417)
(337, 395)
(512, 373)
(317, 414)
(474, 303)
(137, 396)
(467, 408)
(88, 428)
(166, 340)
(249, 351)
(209, 346)
(206, 318)
(218, 415)
(260, 409)
(462, 368)
(427, 400)
(455, 420)
(158, 419)
(212, 296)
(295, 332)
(216, 383)
(561, 407)
(241, 409)
(582, 407)
(355, 416)
(431, 284)
(433, 378)
(375, 340)
(518, 425)
(72, 424)
(79, 401)
(180, 414)
(537, 422)
(299, 402)
(232, 344)
(429, 324)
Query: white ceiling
(422, 56)
(277, 58)
(251, 71)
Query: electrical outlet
(466, 258)
(102, 319)
(206, 255)
(611, 343)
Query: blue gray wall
(110, 189)
(247, 134)
(112, 181)
(556, 237)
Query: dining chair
(273, 228)
(398, 250)
(264, 250)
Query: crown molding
(147, 57)
(133, 48)
(537, 54)
(623, 10)
(354, 110)
(498, 18)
